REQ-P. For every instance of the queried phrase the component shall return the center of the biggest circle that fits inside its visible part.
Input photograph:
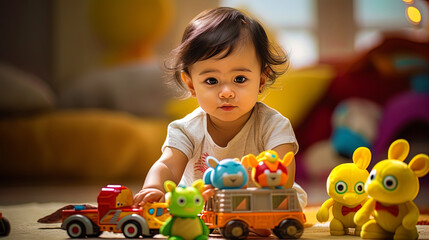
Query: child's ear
(264, 77)
(188, 81)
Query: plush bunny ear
(362, 157)
(287, 159)
(169, 186)
(198, 184)
(212, 162)
(419, 165)
(399, 150)
(249, 160)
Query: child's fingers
(139, 197)
(208, 193)
(153, 197)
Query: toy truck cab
(4, 226)
(234, 211)
(115, 213)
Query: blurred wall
(54, 39)
(72, 34)
(26, 29)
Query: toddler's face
(227, 88)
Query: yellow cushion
(296, 92)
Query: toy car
(4, 226)
(235, 211)
(115, 213)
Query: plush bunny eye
(390, 183)
(359, 188)
(372, 175)
(266, 172)
(181, 201)
(341, 187)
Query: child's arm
(281, 151)
(170, 166)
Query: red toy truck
(115, 213)
(4, 226)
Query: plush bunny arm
(410, 220)
(323, 213)
(364, 213)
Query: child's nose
(226, 92)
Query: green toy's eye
(181, 201)
(341, 187)
(359, 188)
(372, 175)
(197, 200)
(390, 183)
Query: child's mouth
(227, 108)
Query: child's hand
(148, 195)
(208, 191)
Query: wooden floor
(23, 205)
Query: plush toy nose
(350, 197)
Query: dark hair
(217, 30)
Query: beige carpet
(23, 220)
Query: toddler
(225, 61)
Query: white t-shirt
(265, 129)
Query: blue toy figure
(184, 205)
(226, 174)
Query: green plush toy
(184, 205)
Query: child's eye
(211, 81)
(240, 79)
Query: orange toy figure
(392, 185)
(345, 186)
(268, 171)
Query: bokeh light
(413, 15)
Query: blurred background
(83, 99)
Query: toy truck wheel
(289, 229)
(235, 229)
(76, 229)
(4, 227)
(131, 229)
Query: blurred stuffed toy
(392, 186)
(355, 122)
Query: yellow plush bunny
(345, 186)
(392, 185)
